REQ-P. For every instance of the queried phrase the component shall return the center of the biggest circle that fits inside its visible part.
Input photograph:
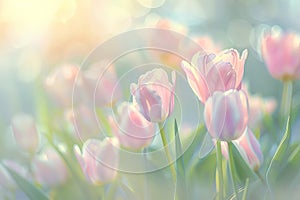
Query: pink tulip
(25, 132)
(133, 130)
(98, 160)
(154, 95)
(84, 122)
(210, 72)
(226, 115)
(60, 83)
(281, 54)
(101, 84)
(49, 168)
(249, 148)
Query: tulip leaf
(181, 187)
(279, 156)
(242, 170)
(28, 188)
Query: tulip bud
(101, 84)
(60, 83)
(154, 95)
(25, 132)
(133, 130)
(49, 168)
(226, 115)
(249, 148)
(98, 160)
(281, 54)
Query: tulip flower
(249, 148)
(101, 84)
(281, 54)
(84, 122)
(98, 160)
(208, 73)
(60, 83)
(154, 95)
(25, 132)
(226, 115)
(47, 164)
(133, 130)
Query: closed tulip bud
(25, 132)
(281, 54)
(209, 73)
(154, 95)
(98, 160)
(133, 130)
(101, 84)
(249, 148)
(49, 168)
(60, 83)
(226, 115)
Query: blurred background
(37, 36)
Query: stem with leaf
(232, 169)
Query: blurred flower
(101, 84)
(84, 122)
(59, 84)
(154, 95)
(133, 130)
(168, 41)
(258, 108)
(98, 160)
(49, 168)
(25, 132)
(281, 54)
(249, 148)
(207, 44)
(208, 73)
(226, 115)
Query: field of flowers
(149, 99)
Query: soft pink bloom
(101, 84)
(25, 132)
(98, 160)
(133, 130)
(154, 95)
(226, 114)
(49, 168)
(249, 148)
(281, 54)
(60, 83)
(208, 73)
(84, 122)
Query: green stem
(231, 170)
(112, 190)
(246, 189)
(168, 154)
(220, 172)
(286, 100)
(261, 178)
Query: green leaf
(28, 188)
(241, 168)
(279, 157)
(181, 187)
